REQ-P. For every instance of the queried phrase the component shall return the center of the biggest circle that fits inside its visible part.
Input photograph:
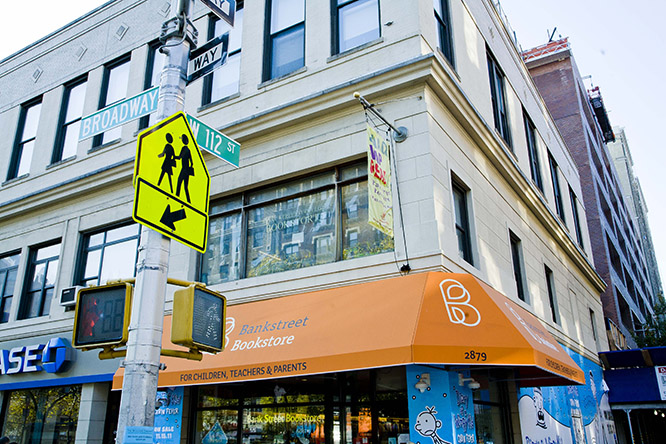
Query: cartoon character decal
(538, 405)
(427, 425)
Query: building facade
(491, 337)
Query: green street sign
(215, 142)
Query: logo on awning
(456, 299)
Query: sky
(616, 42)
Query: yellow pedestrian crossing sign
(171, 183)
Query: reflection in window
(8, 269)
(116, 77)
(109, 254)
(40, 282)
(70, 121)
(285, 38)
(357, 22)
(42, 415)
(221, 262)
(25, 140)
(362, 239)
(224, 81)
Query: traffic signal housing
(102, 316)
(198, 320)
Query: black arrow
(168, 218)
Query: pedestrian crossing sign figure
(171, 183)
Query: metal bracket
(179, 27)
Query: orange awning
(427, 318)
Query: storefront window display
(316, 220)
(491, 416)
(42, 415)
(364, 407)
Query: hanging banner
(380, 202)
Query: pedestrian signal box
(102, 316)
(199, 317)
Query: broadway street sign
(119, 113)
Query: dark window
(225, 80)
(443, 19)
(285, 37)
(461, 210)
(315, 220)
(576, 217)
(517, 261)
(8, 270)
(557, 191)
(108, 254)
(532, 152)
(593, 324)
(114, 89)
(25, 139)
(498, 97)
(154, 67)
(355, 22)
(552, 300)
(40, 281)
(70, 121)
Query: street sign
(213, 141)
(224, 9)
(119, 113)
(175, 206)
(207, 57)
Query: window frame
(153, 48)
(444, 32)
(98, 140)
(270, 37)
(63, 124)
(518, 266)
(19, 140)
(4, 296)
(498, 99)
(33, 262)
(552, 294)
(576, 217)
(557, 190)
(533, 151)
(464, 231)
(336, 42)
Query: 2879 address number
(473, 355)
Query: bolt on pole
(142, 363)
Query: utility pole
(142, 362)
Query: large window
(355, 22)
(8, 269)
(25, 140)
(368, 406)
(498, 97)
(285, 37)
(517, 262)
(225, 81)
(42, 415)
(114, 89)
(443, 19)
(108, 254)
(70, 121)
(317, 220)
(576, 217)
(557, 191)
(40, 281)
(154, 68)
(463, 229)
(532, 152)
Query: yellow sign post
(171, 183)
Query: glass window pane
(26, 158)
(221, 262)
(269, 425)
(38, 275)
(48, 252)
(233, 203)
(92, 264)
(32, 303)
(75, 102)
(354, 171)
(221, 423)
(285, 13)
(158, 63)
(287, 52)
(359, 23)
(226, 79)
(122, 232)
(96, 239)
(51, 273)
(117, 86)
(294, 187)
(360, 238)
(285, 237)
(235, 33)
(119, 261)
(10, 282)
(6, 309)
(31, 121)
(9, 261)
(48, 297)
(71, 139)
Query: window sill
(218, 102)
(286, 76)
(355, 49)
(15, 179)
(60, 162)
(101, 147)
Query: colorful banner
(169, 415)
(380, 200)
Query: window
(593, 324)
(498, 97)
(316, 220)
(45, 415)
(460, 208)
(576, 217)
(559, 206)
(114, 89)
(533, 154)
(517, 261)
(25, 139)
(225, 80)
(108, 254)
(70, 121)
(552, 299)
(154, 67)
(40, 281)
(8, 270)
(355, 22)
(285, 37)
(443, 19)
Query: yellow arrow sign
(171, 183)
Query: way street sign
(207, 57)
(224, 9)
(178, 210)
(215, 142)
(119, 113)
